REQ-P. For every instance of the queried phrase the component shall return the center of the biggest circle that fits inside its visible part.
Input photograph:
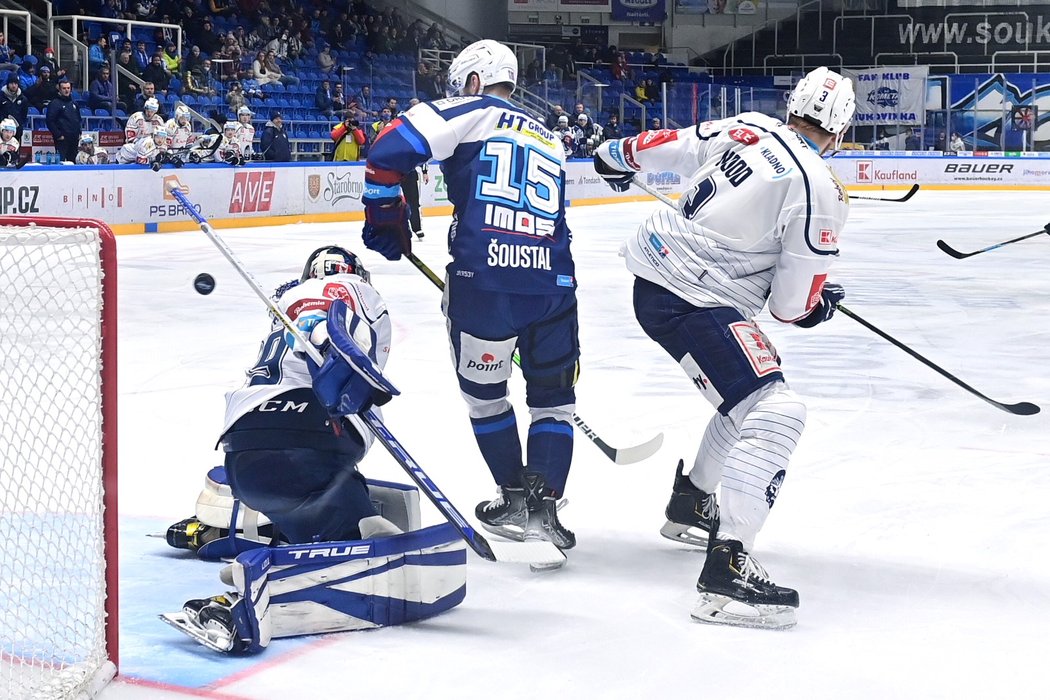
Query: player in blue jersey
(511, 284)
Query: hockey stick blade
(621, 455)
(1023, 408)
(627, 455)
(959, 255)
(907, 195)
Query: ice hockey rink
(914, 519)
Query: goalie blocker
(397, 573)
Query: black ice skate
(192, 534)
(210, 622)
(736, 590)
(543, 523)
(691, 513)
(506, 515)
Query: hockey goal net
(58, 546)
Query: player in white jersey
(8, 143)
(88, 154)
(759, 223)
(180, 130)
(147, 150)
(245, 133)
(293, 440)
(230, 150)
(143, 123)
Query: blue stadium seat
(85, 112)
(101, 112)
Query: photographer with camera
(349, 139)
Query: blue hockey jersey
(505, 175)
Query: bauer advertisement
(973, 171)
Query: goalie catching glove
(610, 164)
(349, 381)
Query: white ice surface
(914, 520)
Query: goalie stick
(904, 198)
(959, 256)
(1023, 408)
(531, 552)
(619, 455)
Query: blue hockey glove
(348, 381)
(387, 230)
(829, 299)
(608, 162)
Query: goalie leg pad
(398, 503)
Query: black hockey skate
(506, 515)
(692, 514)
(192, 534)
(210, 622)
(736, 590)
(543, 523)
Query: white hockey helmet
(9, 124)
(230, 125)
(244, 111)
(87, 140)
(150, 105)
(181, 112)
(332, 260)
(824, 98)
(490, 60)
(160, 133)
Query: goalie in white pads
(759, 222)
(293, 441)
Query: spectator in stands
(274, 143)
(912, 142)
(27, 77)
(221, 7)
(98, 55)
(125, 61)
(141, 57)
(377, 127)
(49, 61)
(63, 121)
(235, 98)
(171, 59)
(655, 124)
(534, 73)
(273, 70)
(350, 140)
(323, 99)
(14, 103)
(612, 128)
(201, 81)
(957, 145)
(41, 93)
(7, 56)
(325, 61)
(193, 59)
(205, 38)
(620, 69)
(556, 113)
(156, 74)
(391, 104)
(260, 75)
(366, 102)
(577, 110)
(102, 93)
(149, 91)
(339, 103)
(942, 142)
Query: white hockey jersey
(227, 147)
(138, 126)
(179, 136)
(760, 218)
(279, 370)
(9, 152)
(97, 157)
(142, 151)
(245, 137)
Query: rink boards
(134, 199)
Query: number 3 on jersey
(520, 176)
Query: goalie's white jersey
(279, 370)
(760, 217)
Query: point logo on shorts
(488, 363)
(865, 171)
(744, 136)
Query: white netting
(52, 563)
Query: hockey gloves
(829, 299)
(349, 381)
(386, 229)
(609, 163)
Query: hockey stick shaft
(904, 198)
(959, 256)
(1021, 409)
(473, 539)
(627, 455)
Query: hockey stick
(959, 256)
(619, 455)
(904, 198)
(531, 552)
(1018, 409)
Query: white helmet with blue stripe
(490, 60)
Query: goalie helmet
(333, 260)
(490, 60)
(151, 105)
(824, 98)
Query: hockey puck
(204, 283)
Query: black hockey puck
(204, 283)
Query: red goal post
(58, 457)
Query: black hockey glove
(829, 299)
(607, 164)
(155, 166)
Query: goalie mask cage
(58, 454)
